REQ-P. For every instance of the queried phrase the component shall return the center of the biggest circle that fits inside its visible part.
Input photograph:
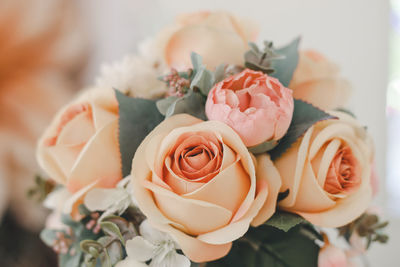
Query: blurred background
(49, 49)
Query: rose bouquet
(205, 149)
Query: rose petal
(237, 229)
(346, 209)
(195, 216)
(69, 134)
(103, 151)
(228, 189)
(267, 171)
(291, 177)
(63, 157)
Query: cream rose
(317, 80)
(80, 147)
(218, 37)
(197, 181)
(328, 172)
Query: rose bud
(258, 107)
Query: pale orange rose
(317, 80)
(80, 147)
(329, 174)
(197, 181)
(219, 37)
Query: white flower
(130, 263)
(110, 200)
(61, 201)
(156, 246)
(135, 74)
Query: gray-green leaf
(112, 230)
(284, 68)
(192, 103)
(137, 118)
(263, 147)
(284, 220)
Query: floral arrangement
(205, 149)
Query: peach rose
(329, 174)
(80, 147)
(197, 181)
(218, 37)
(317, 80)
(258, 107)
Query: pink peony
(258, 107)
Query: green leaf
(284, 221)
(67, 220)
(261, 60)
(105, 259)
(112, 230)
(267, 246)
(137, 118)
(114, 248)
(48, 236)
(263, 147)
(203, 80)
(305, 115)
(242, 254)
(283, 195)
(284, 68)
(87, 246)
(71, 260)
(197, 61)
(164, 104)
(83, 210)
(192, 103)
(219, 73)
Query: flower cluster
(239, 154)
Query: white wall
(354, 33)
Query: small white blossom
(135, 74)
(156, 246)
(110, 200)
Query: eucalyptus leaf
(192, 103)
(284, 221)
(67, 220)
(197, 61)
(70, 260)
(165, 103)
(126, 228)
(305, 115)
(203, 80)
(87, 245)
(105, 259)
(137, 118)
(83, 210)
(263, 147)
(112, 230)
(114, 248)
(261, 60)
(284, 68)
(48, 236)
(219, 73)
